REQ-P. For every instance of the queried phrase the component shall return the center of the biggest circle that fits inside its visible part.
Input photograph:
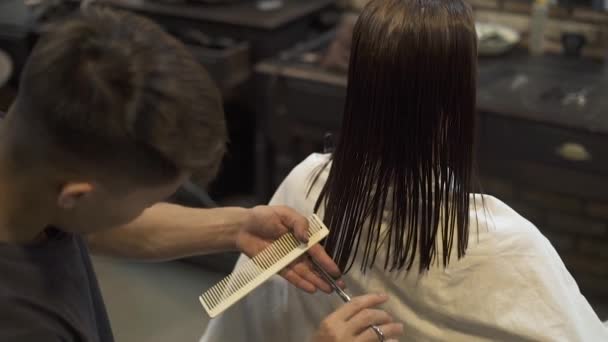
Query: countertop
(243, 14)
(553, 90)
(549, 89)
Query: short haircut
(406, 149)
(114, 90)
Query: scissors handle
(345, 297)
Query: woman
(397, 196)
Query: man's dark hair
(114, 90)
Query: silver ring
(378, 332)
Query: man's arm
(167, 231)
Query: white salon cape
(510, 286)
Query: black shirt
(49, 292)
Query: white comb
(251, 274)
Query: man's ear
(71, 193)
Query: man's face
(93, 207)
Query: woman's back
(511, 286)
(397, 199)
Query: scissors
(345, 297)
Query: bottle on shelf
(538, 23)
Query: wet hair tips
(405, 152)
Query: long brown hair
(406, 146)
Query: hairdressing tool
(345, 297)
(251, 274)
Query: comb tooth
(216, 292)
(228, 287)
(216, 298)
(255, 270)
(258, 261)
(237, 275)
(212, 301)
(210, 297)
(277, 250)
(235, 283)
(315, 225)
(220, 295)
(221, 287)
(254, 265)
(241, 278)
(286, 246)
(293, 243)
(265, 260)
(312, 226)
(268, 256)
(288, 243)
(207, 301)
(319, 223)
(205, 297)
(284, 250)
(247, 272)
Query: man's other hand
(269, 223)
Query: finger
(390, 331)
(304, 269)
(362, 320)
(324, 260)
(358, 304)
(291, 276)
(295, 222)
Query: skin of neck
(27, 193)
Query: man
(111, 116)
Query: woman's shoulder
(509, 229)
(314, 169)
(313, 162)
(302, 186)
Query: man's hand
(267, 224)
